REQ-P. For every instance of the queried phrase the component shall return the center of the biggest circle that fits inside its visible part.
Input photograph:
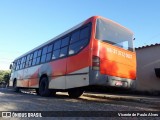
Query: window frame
(89, 37)
(39, 55)
(61, 47)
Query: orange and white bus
(97, 51)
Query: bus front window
(112, 33)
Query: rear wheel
(15, 88)
(75, 93)
(43, 87)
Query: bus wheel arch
(44, 86)
(15, 88)
(42, 76)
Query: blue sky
(25, 24)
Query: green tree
(4, 76)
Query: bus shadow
(23, 100)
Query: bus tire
(75, 93)
(43, 87)
(15, 88)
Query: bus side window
(84, 33)
(21, 61)
(64, 47)
(56, 54)
(31, 56)
(49, 53)
(24, 61)
(65, 41)
(56, 51)
(30, 59)
(38, 60)
(17, 64)
(75, 37)
(48, 57)
(34, 57)
(63, 52)
(39, 52)
(43, 58)
(17, 67)
(50, 48)
(38, 57)
(44, 52)
(75, 47)
(14, 65)
(34, 61)
(27, 61)
(57, 44)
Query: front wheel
(43, 87)
(15, 88)
(75, 93)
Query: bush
(4, 76)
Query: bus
(96, 52)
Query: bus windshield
(112, 33)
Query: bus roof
(68, 31)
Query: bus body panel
(76, 70)
(59, 78)
(96, 78)
(58, 82)
(32, 75)
(57, 67)
(75, 76)
(56, 70)
(117, 62)
(26, 77)
(117, 66)
(79, 61)
(79, 78)
(70, 72)
(20, 81)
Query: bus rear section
(113, 57)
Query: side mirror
(10, 67)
